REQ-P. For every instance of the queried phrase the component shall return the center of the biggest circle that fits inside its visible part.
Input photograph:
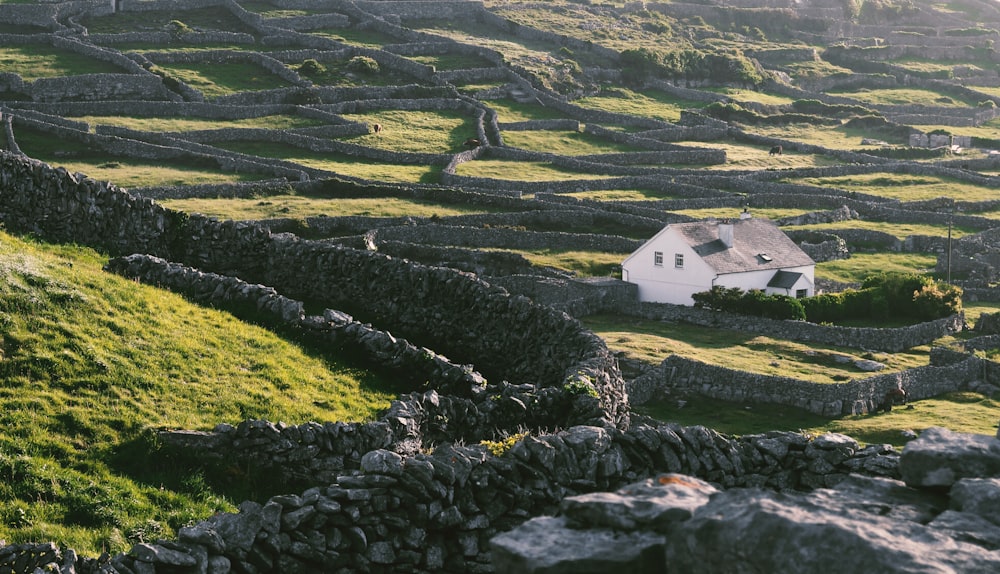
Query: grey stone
(382, 462)
(155, 553)
(547, 545)
(940, 457)
(653, 503)
(980, 496)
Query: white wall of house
(805, 283)
(759, 280)
(663, 281)
(666, 282)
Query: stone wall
(680, 375)
(932, 520)
(57, 206)
(891, 340)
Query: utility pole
(951, 217)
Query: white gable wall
(805, 282)
(667, 283)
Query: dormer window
(765, 257)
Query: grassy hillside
(93, 363)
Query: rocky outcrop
(941, 519)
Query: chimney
(726, 232)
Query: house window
(679, 260)
(658, 258)
(800, 293)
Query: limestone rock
(941, 457)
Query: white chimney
(726, 232)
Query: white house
(749, 253)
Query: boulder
(940, 458)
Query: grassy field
(341, 164)
(214, 81)
(296, 207)
(653, 341)
(33, 62)
(860, 265)
(960, 411)
(904, 187)
(905, 96)
(126, 172)
(647, 103)
(185, 124)
(900, 230)
(521, 171)
(94, 363)
(415, 131)
(568, 143)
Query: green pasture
(747, 156)
(813, 69)
(771, 213)
(904, 187)
(338, 73)
(646, 103)
(268, 10)
(743, 95)
(905, 96)
(565, 143)
(297, 207)
(94, 364)
(509, 111)
(209, 18)
(652, 341)
(213, 80)
(521, 171)
(578, 263)
(355, 37)
(621, 195)
(77, 157)
(34, 62)
(187, 124)
(829, 137)
(861, 265)
(959, 411)
(340, 163)
(900, 230)
(415, 131)
(453, 61)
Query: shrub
(363, 65)
(311, 67)
(499, 447)
(754, 302)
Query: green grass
(861, 265)
(771, 213)
(830, 137)
(653, 341)
(905, 96)
(34, 62)
(741, 95)
(900, 230)
(295, 206)
(520, 171)
(415, 131)
(213, 80)
(159, 124)
(647, 103)
(453, 61)
(567, 143)
(78, 158)
(959, 411)
(621, 195)
(211, 18)
(904, 187)
(341, 164)
(580, 263)
(509, 111)
(93, 363)
(365, 38)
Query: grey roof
(757, 244)
(784, 279)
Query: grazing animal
(891, 397)
(776, 150)
(377, 128)
(472, 143)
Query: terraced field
(547, 122)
